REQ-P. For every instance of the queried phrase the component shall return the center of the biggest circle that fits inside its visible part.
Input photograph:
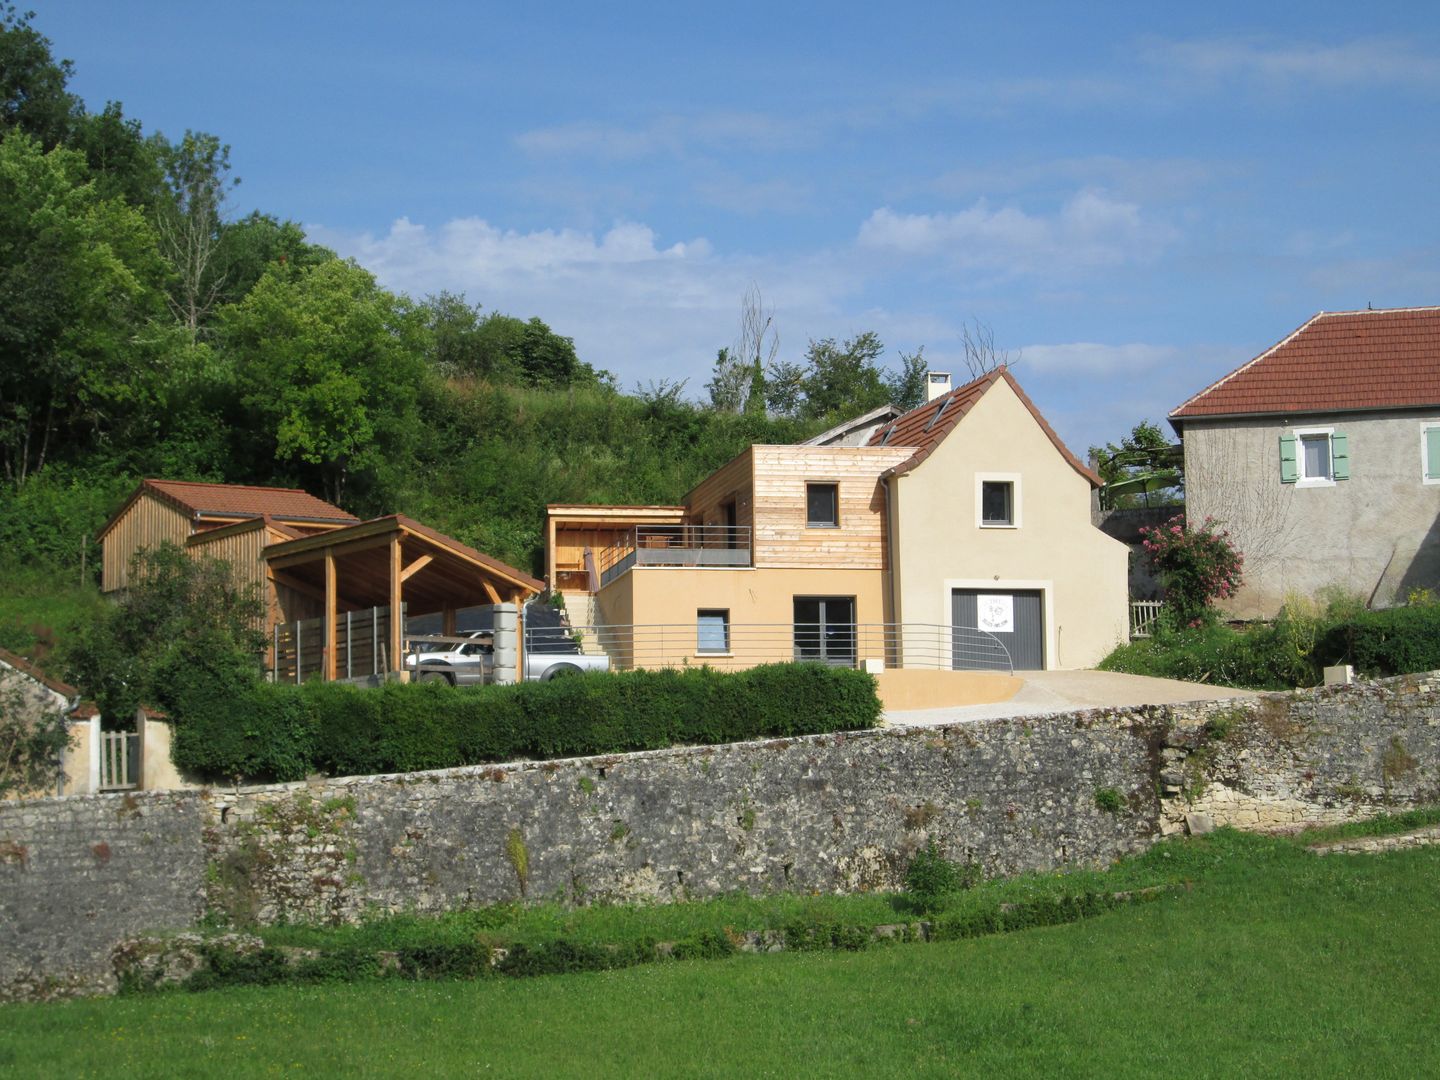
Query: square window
(997, 503)
(712, 631)
(822, 506)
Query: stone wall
(81, 873)
(823, 813)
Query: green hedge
(1289, 652)
(228, 731)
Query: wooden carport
(392, 562)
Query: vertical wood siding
(148, 523)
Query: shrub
(931, 877)
(1197, 566)
(1109, 800)
(1394, 641)
(261, 731)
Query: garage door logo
(995, 613)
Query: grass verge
(1275, 963)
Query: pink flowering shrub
(1197, 566)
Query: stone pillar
(506, 651)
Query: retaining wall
(823, 813)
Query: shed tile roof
(244, 500)
(1338, 361)
(926, 427)
(234, 500)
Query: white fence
(119, 760)
(1143, 616)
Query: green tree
(907, 386)
(844, 380)
(178, 610)
(1145, 469)
(331, 363)
(255, 245)
(729, 383)
(123, 162)
(33, 94)
(79, 347)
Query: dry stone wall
(821, 813)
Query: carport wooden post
(330, 605)
(397, 618)
(447, 625)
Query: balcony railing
(742, 645)
(675, 545)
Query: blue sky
(1135, 200)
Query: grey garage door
(1023, 611)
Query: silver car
(470, 664)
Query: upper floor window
(997, 501)
(822, 506)
(1430, 453)
(1314, 457)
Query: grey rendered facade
(1373, 533)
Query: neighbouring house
(328, 580)
(1321, 456)
(965, 514)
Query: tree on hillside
(33, 94)
(188, 223)
(844, 379)
(331, 365)
(258, 244)
(907, 386)
(80, 278)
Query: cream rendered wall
(939, 546)
(672, 596)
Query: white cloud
(1371, 61)
(636, 306)
(1091, 229)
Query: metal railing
(733, 646)
(1143, 616)
(675, 545)
(119, 760)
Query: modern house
(965, 514)
(328, 580)
(1321, 456)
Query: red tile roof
(926, 427)
(26, 667)
(236, 500)
(1338, 361)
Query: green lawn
(1275, 963)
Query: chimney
(937, 383)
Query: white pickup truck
(550, 653)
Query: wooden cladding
(147, 524)
(783, 536)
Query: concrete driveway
(1066, 691)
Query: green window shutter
(1340, 456)
(1289, 470)
(1432, 453)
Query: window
(1430, 453)
(825, 629)
(997, 503)
(822, 506)
(1314, 457)
(712, 631)
(997, 500)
